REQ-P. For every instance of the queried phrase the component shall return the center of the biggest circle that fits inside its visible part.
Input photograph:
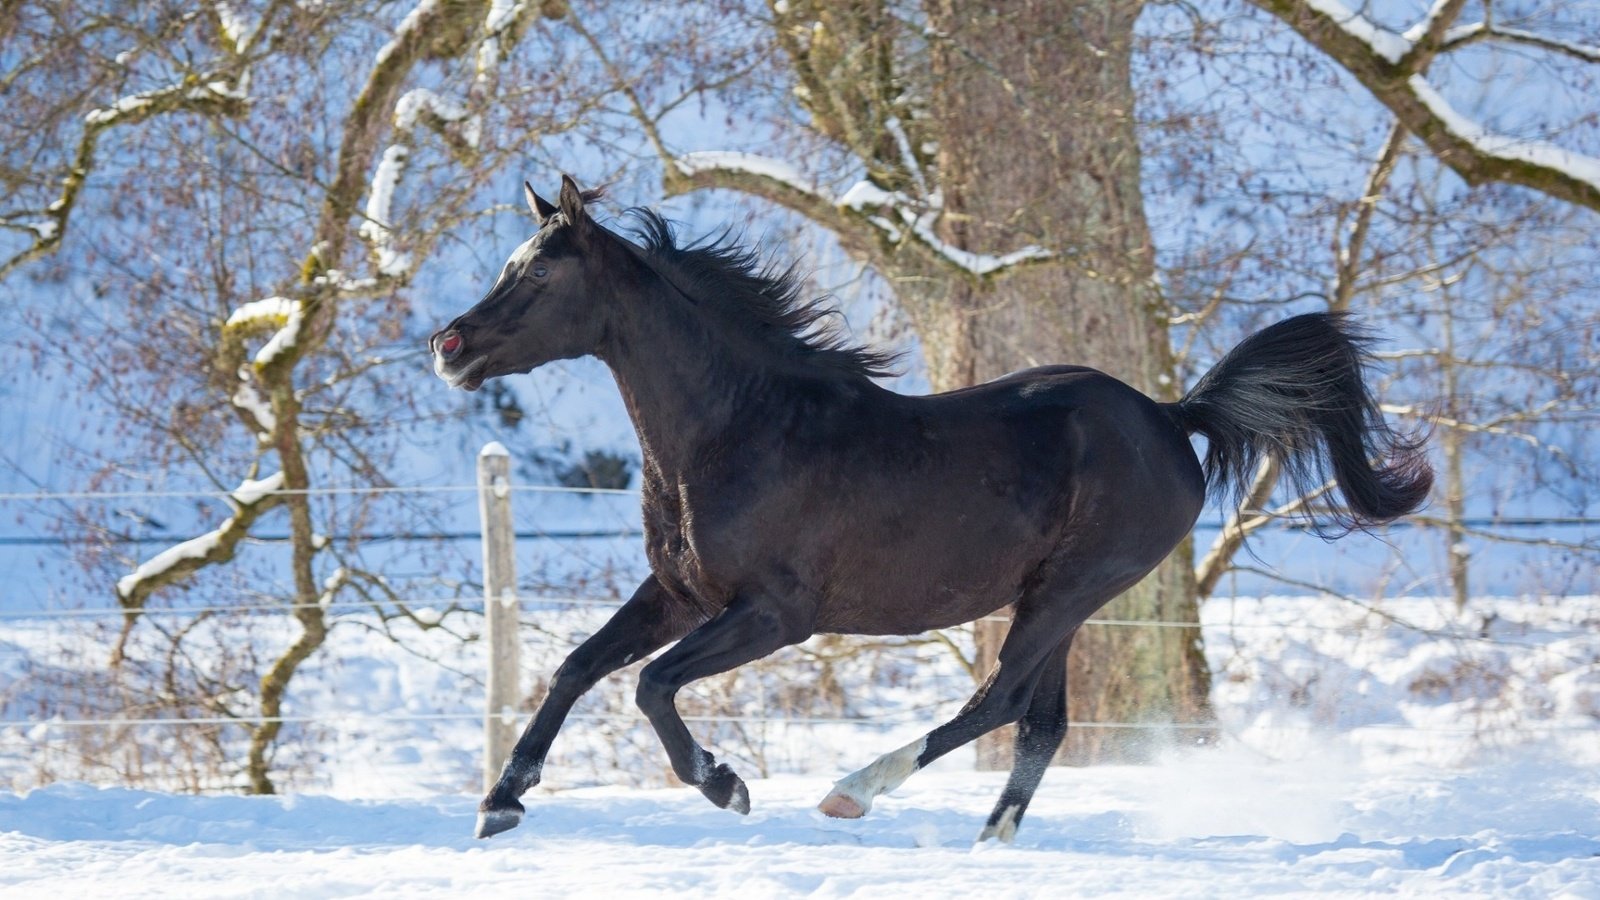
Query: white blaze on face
(519, 258)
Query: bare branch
(1391, 67)
(1466, 35)
(214, 94)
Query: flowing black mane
(737, 282)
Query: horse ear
(541, 208)
(571, 201)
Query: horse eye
(539, 270)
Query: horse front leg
(745, 631)
(651, 618)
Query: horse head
(543, 307)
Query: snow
(250, 400)
(1540, 153)
(46, 229)
(447, 109)
(241, 91)
(1420, 30)
(1383, 42)
(251, 491)
(412, 20)
(412, 104)
(282, 312)
(751, 163)
(976, 263)
(1323, 826)
(134, 103)
(122, 107)
(1588, 52)
(864, 194)
(1393, 47)
(282, 339)
(271, 310)
(380, 199)
(907, 158)
(494, 448)
(239, 32)
(501, 14)
(1360, 756)
(193, 548)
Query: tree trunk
(1034, 111)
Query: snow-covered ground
(1225, 823)
(1363, 753)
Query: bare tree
(288, 169)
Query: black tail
(1295, 391)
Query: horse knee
(655, 692)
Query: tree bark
(1015, 130)
(1033, 102)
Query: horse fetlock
(516, 778)
(727, 790)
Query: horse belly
(940, 574)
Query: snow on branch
(421, 103)
(1539, 153)
(749, 163)
(409, 27)
(862, 202)
(376, 230)
(448, 117)
(1393, 67)
(1381, 41)
(239, 33)
(1485, 31)
(282, 313)
(978, 264)
(215, 94)
(249, 501)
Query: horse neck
(685, 384)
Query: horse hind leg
(1004, 697)
(1039, 735)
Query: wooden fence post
(499, 608)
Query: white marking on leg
(1004, 830)
(885, 774)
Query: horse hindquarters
(1135, 489)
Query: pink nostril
(450, 344)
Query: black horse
(787, 494)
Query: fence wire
(536, 599)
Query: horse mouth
(470, 377)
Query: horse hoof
(1002, 828)
(493, 821)
(727, 790)
(839, 806)
(740, 801)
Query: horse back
(899, 513)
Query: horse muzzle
(448, 346)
